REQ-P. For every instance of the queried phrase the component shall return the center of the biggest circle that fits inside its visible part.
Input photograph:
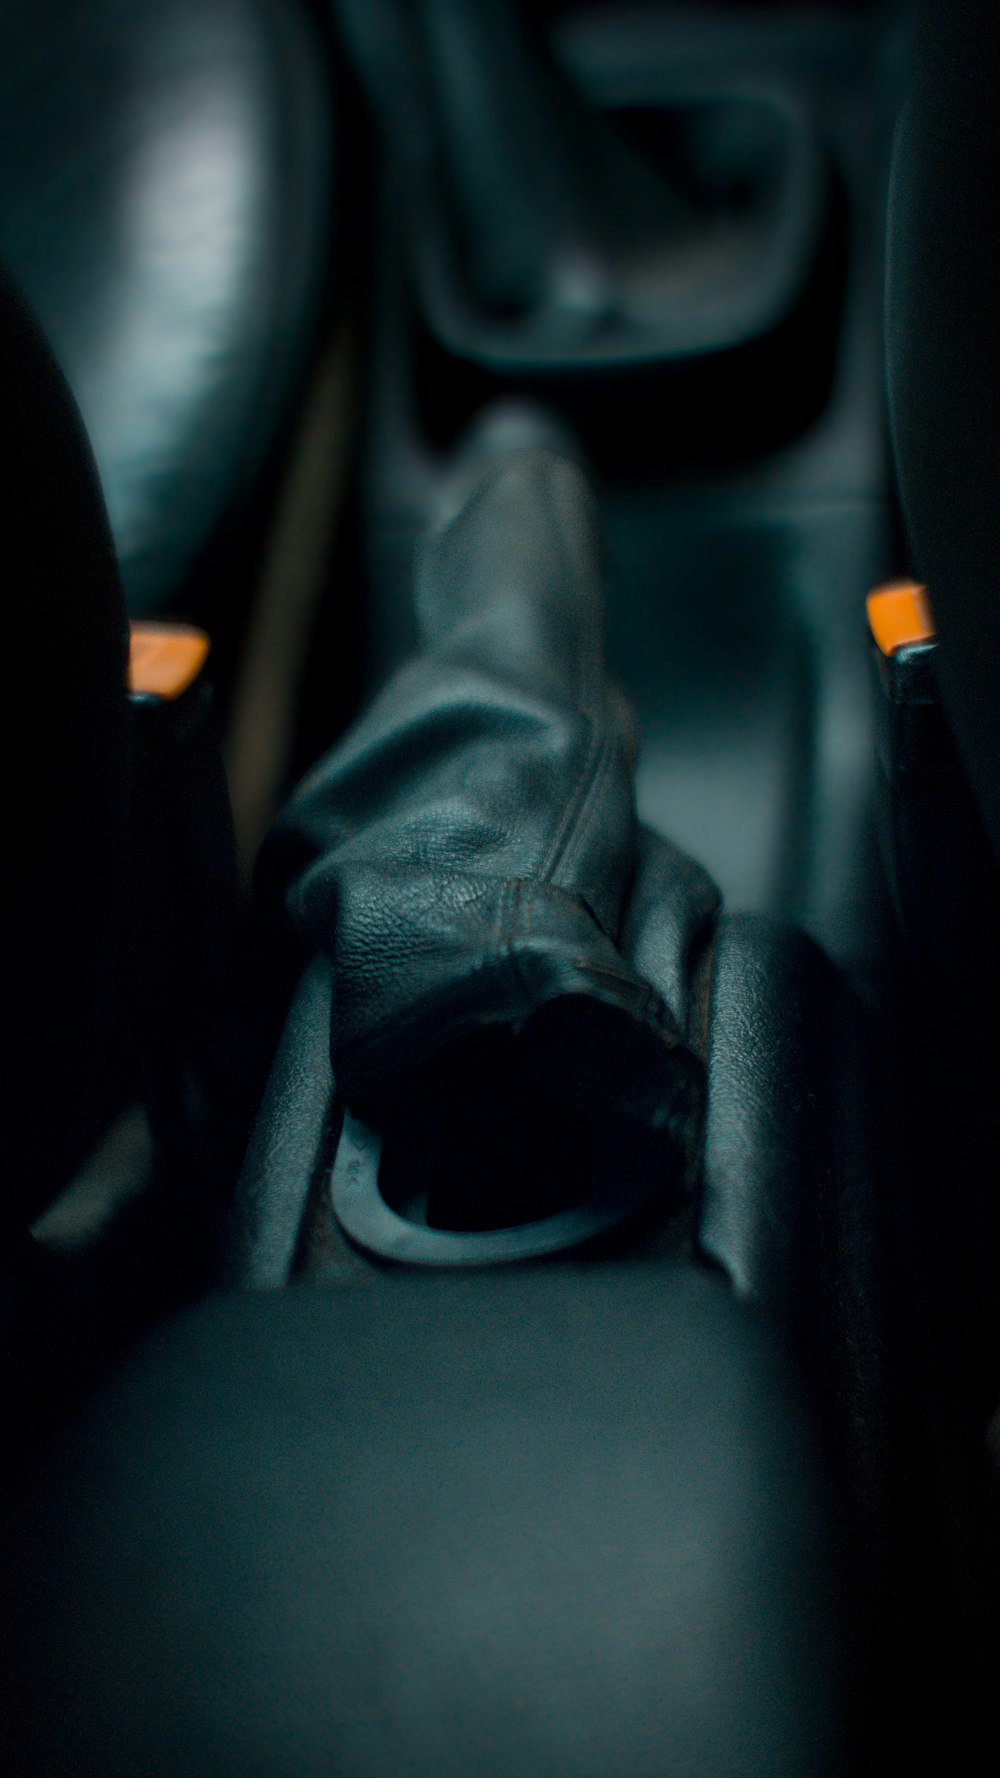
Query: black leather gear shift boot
(466, 855)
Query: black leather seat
(166, 206)
(165, 202)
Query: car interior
(500, 1098)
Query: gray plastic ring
(378, 1229)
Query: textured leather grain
(165, 203)
(466, 854)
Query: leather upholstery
(441, 802)
(464, 856)
(164, 200)
(441, 796)
(563, 1521)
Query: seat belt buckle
(939, 864)
(184, 939)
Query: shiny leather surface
(465, 854)
(164, 200)
(566, 1521)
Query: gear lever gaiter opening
(498, 1132)
(466, 858)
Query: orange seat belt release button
(164, 659)
(899, 616)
